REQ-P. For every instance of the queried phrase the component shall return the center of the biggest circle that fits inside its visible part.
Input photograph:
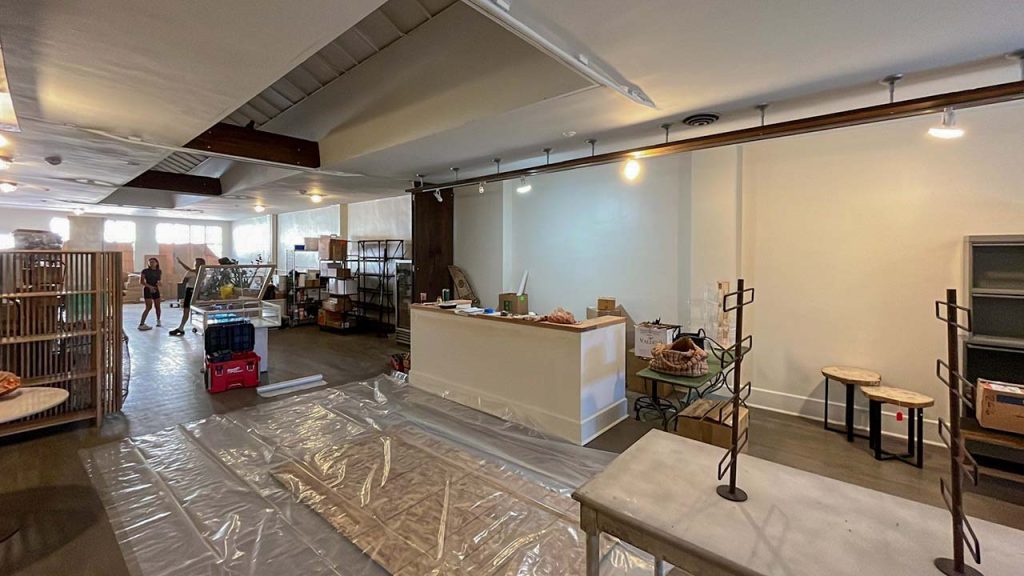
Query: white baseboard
(812, 409)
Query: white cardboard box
(647, 335)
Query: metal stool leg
(849, 412)
(920, 437)
(826, 403)
(911, 431)
(875, 426)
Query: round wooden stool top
(850, 375)
(898, 397)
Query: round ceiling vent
(701, 119)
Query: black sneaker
(176, 332)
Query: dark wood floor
(65, 530)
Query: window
(6, 241)
(211, 236)
(61, 226)
(119, 232)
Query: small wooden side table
(915, 403)
(851, 378)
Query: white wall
(387, 218)
(294, 227)
(582, 234)
(145, 228)
(848, 237)
(478, 240)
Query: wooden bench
(915, 403)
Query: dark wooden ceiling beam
(871, 114)
(174, 182)
(251, 143)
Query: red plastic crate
(242, 371)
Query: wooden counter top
(582, 326)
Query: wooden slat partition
(60, 327)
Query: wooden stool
(915, 404)
(852, 378)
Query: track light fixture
(437, 196)
(497, 165)
(947, 130)
(762, 108)
(480, 188)
(547, 155)
(524, 185)
(593, 145)
(666, 126)
(891, 81)
(631, 170)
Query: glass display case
(227, 293)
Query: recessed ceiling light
(259, 208)
(569, 133)
(236, 197)
(7, 187)
(316, 198)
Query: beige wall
(849, 236)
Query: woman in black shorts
(151, 292)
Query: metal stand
(740, 393)
(961, 464)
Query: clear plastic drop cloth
(370, 478)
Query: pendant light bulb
(480, 188)
(7, 187)
(631, 170)
(259, 208)
(947, 130)
(316, 198)
(524, 186)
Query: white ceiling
(456, 91)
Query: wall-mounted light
(7, 187)
(5, 162)
(947, 130)
(631, 170)
(524, 185)
(259, 208)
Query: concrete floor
(65, 530)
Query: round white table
(19, 404)
(25, 402)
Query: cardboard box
(636, 383)
(1000, 406)
(332, 319)
(513, 303)
(311, 242)
(337, 304)
(647, 335)
(606, 303)
(340, 272)
(710, 421)
(338, 286)
(595, 313)
(332, 248)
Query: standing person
(191, 275)
(151, 292)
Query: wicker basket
(682, 358)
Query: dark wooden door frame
(433, 243)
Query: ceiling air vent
(701, 119)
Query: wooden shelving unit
(994, 349)
(60, 327)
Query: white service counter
(563, 380)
